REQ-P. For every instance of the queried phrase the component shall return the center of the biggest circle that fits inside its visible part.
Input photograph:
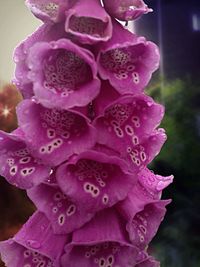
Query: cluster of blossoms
(86, 134)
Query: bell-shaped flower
(54, 134)
(128, 127)
(35, 245)
(127, 60)
(43, 33)
(89, 22)
(63, 74)
(102, 242)
(17, 163)
(95, 179)
(64, 215)
(126, 9)
(49, 10)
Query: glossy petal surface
(128, 126)
(49, 10)
(43, 33)
(63, 74)
(54, 134)
(127, 60)
(64, 215)
(95, 180)
(17, 163)
(101, 242)
(89, 25)
(34, 245)
(126, 9)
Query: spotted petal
(95, 179)
(64, 215)
(126, 9)
(49, 10)
(89, 25)
(43, 33)
(143, 216)
(34, 245)
(54, 134)
(64, 74)
(17, 163)
(101, 242)
(128, 126)
(127, 60)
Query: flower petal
(143, 217)
(34, 245)
(89, 25)
(95, 179)
(127, 60)
(126, 9)
(149, 262)
(128, 126)
(43, 33)
(18, 165)
(54, 134)
(64, 74)
(64, 215)
(49, 10)
(101, 242)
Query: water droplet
(33, 244)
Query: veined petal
(126, 9)
(101, 242)
(54, 134)
(17, 163)
(128, 126)
(95, 180)
(63, 74)
(49, 10)
(34, 245)
(89, 25)
(127, 60)
(43, 33)
(64, 215)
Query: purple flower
(95, 179)
(143, 209)
(64, 215)
(128, 127)
(63, 74)
(34, 245)
(101, 242)
(18, 165)
(127, 61)
(126, 9)
(148, 262)
(49, 10)
(54, 134)
(89, 25)
(44, 33)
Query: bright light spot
(6, 111)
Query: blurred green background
(175, 27)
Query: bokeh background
(175, 27)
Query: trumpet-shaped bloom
(43, 33)
(128, 127)
(101, 242)
(54, 134)
(49, 10)
(63, 74)
(34, 245)
(126, 9)
(127, 60)
(17, 163)
(95, 179)
(89, 25)
(64, 215)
